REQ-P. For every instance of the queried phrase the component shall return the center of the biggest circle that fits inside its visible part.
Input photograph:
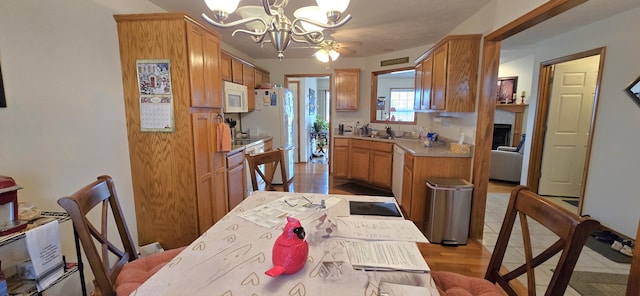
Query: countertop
(415, 146)
(241, 144)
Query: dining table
(231, 257)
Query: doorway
(312, 97)
(563, 131)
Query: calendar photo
(156, 99)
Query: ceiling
(380, 25)
(383, 26)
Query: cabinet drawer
(372, 145)
(235, 160)
(341, 142)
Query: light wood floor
(471, 259)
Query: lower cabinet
(371, 162)
(340, 157)
(235, 178)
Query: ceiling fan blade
(350, 43)
(345, 51)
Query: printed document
(385, 255)
(374, 229)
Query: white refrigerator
(274, 116)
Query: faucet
(388, 128)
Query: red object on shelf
(9, 222)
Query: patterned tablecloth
(232, 256)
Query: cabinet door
(359, 168)
(236, 71)
(347, 89)
(235, 178)
(258, 77)
(203, 142)
(407, 181)
(211, 182)
(225, 67)
(195, 40)
(417, 85)
(381, 168)
(427, 78)
(212, 75)
(248, 78)
(439, 78)
(340, 161)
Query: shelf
(7, 239)
(28, 287)
(516, 108)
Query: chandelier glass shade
(326, 55)
(269, 24)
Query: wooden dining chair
(633, 283)
(264, 165)
(117, 271)
(571, 230)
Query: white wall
(611, 192)
(65, 122)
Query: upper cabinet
(248, 79)
(448, 75)
(347, 89)
(225, 67)
(204, 65)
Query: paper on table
(389, 289)
(275, 213)
(43, 246)
(385, 255)
(373, 229)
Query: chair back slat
(78, 205)
(263, 165)
(572, 232)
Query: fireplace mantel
(518, 109)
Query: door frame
(542, 116)
(487, 101)
(286, 85)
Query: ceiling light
(334, 55)
(322, 55)
(269, 24)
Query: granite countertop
(416, 148)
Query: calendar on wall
(156, 99)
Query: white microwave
(235, 98)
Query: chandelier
(269, 24)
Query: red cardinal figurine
(290, 249)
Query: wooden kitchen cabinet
(204, 66)
(371, 162)
(340, 157)
(423, 82)
(225, 67)
(347, 89)
(248, 79)
(179, 177)
(236, 71)
(235, 178)
(452, 83)
(407, 182)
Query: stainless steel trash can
(448, 210)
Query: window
(401, 104)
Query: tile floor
(589, 260)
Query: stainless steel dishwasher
(397, 172)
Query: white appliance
(275, 117)
(235, 98)
(252, 149)
(397, 173)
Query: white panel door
(568, 124)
